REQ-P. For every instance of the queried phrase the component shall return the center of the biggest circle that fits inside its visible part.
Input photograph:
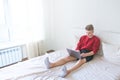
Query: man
(88, 46)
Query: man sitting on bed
(88, 45)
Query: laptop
(74, 53)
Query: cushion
(111, 52)
(100, 51)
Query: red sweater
(91, 44)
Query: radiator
(10, 55)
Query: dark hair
(89, 27)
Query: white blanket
(35, 69)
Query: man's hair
(89, 27)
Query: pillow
(111, 52)
(100, 51)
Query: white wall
(65, 15)
(47, 23)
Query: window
(24, 20)
(4, 32)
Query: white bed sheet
(35, 69)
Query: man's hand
(83, 55)
(78, 50)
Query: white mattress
(35, 69)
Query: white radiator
(10, 55)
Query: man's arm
(95, 49)
(87, 54)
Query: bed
(102, 67)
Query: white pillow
(111, 52)
(100, 51)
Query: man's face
(89, 33)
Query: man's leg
(76, 66)
(61, 61)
